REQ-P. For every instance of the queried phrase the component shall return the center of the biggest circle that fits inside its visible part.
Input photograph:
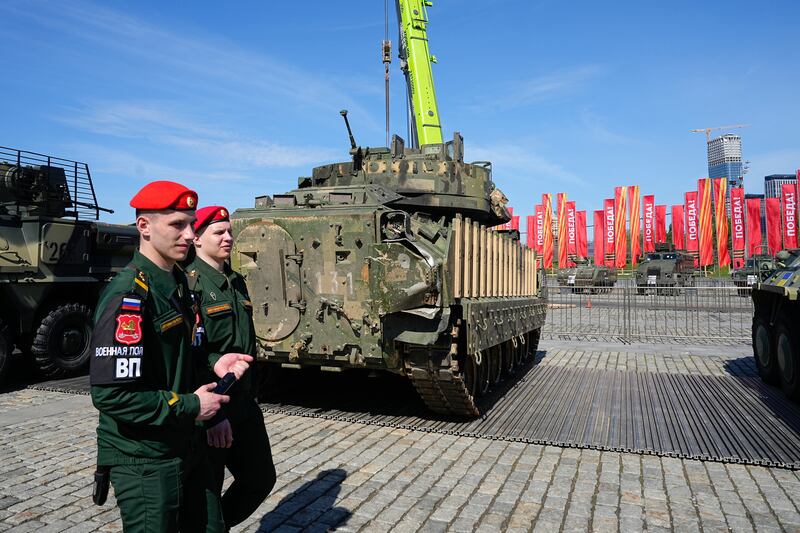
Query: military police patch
(129, 329)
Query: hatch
(270, 263)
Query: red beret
(158, 195)
(207, 215)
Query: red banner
(582, 244)
(737, 226)
(636, 238)
(563, 248)
(608, 246)
(547, 242)
(773, 225)
(649, 204)
(661, 224)
(692, 235)
(621, 238)
(720, 208)
(530, 232)
(753, 226)
(599, 237)
(706, 231)
(515, 222)
(572, 242)
(539, 234)
(789, 205)
(677, 228)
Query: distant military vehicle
(585, 275)
(776, 340)
(664, 270)
(756, 268)
(54, 258)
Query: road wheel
(482, 367)
(533, 344)
(470, 374)
(6, 347)
(63, 340)
(508, 359)
(786, 354)
(763, 351)
(495, 361)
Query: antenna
(353, 145)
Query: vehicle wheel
(786, 354)
(495, 363)
(5, 351)
(482, 375)
(63, 340)
(763, 351)
(639, 291)
(533, 343)
(508, 360)
(470, 374)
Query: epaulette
(192, 279)
(140, 284)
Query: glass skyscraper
(725, 159)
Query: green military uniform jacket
(144, 370)
(227, 317)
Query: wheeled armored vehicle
(663, 271)
(756, 268)
(55, 257)
(775, 336)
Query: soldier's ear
(143, 224)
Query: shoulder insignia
(129, 329)
(141, 286)
(171, 323)
(215, 309)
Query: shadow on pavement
(311, 506)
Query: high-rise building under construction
(725, 159)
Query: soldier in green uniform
(145, 377)
(238, 437)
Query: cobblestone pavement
(363, 477)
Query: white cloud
(514, 163)
(529, 91)
(160, 124)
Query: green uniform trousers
(167, 496)
(249, 460)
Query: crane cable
(386, 50)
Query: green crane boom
(415, 61)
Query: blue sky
(239, 99)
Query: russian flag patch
(131, 304)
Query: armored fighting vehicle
(664, 270)
(776, 341)
(585, 275)
(387, 262)
(55, 257)
(756, 268)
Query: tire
(508, 360)
(471, 373)
(533, 344)
(764, 350)
(63, 340)
(482, 375)
(495, 361)
(788, 360)
(6, 348)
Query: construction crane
(709, 130)
(415, 62)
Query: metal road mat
(718, 418)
